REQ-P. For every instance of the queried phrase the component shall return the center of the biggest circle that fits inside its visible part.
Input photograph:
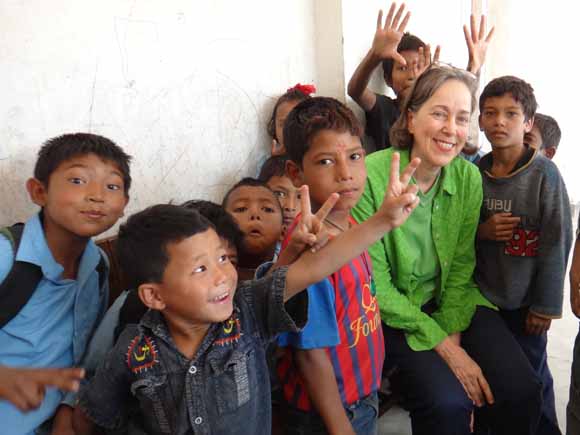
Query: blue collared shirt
(53, 328)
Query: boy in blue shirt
(525, 232)
(81, 182)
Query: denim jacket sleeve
(105, 398)
(265, 297)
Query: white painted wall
(536, 41)
(185, 87)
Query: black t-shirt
(380, 119)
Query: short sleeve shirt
(380, 119)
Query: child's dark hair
(408, 43)
(520, 91)
(251, 182)
(312, 116)
(549, 129)
(62, 148)
(296, 93)
(275, 166)
(143, 239)
(224, 223)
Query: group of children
(186, 349)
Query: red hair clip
(305, 89)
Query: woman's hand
(400, 196)
(467, 372)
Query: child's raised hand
(477, 43)
(388, 36)
(425, 59)
(24, 388)
(310, 231)
(400, 196)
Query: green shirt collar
(448, 183)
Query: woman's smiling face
(441, 125)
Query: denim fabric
(362, 414)
(573, 409)
(148, 386)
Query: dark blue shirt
(146, 384)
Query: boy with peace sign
(196, 362)
(331, 370)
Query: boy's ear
(528, 125)
(149, 293)
(295, 173)
(37, 191)
(549, 152)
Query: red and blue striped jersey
(344, 319)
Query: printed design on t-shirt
(230, 331)
(141, 354)
(524, 243)
(367, 323)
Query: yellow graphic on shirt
(229, 326)
(145, 350)
(370, 320)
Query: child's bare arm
(385, 43)
(400, 200)
(25, 388)
(318, 375)
(477, 43)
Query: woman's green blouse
(454, 223)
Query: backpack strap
(131, 312)
(21, 281)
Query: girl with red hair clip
(282, 108)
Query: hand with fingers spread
(425, 59)
(389, 34)
(400, 197)
(477, 43)
(536, 324)
(499, 227)
(25, 388)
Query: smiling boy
(81, 182)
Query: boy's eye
(224, 259)
(280, 194)
(268, 209)
(240, 209)
(356, 156)
(200, 269)
(113, 187)
(76, 180)
(325, 162)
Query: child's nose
(343, 171)
(95, 192)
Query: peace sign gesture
(310, 231)
(388, 36)
(400, 197)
